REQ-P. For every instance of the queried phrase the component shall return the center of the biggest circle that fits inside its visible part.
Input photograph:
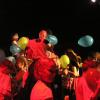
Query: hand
(66, 72)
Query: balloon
(86, 41)
(14, 49)
(64, 60)
(23, 42)
(52, 39)
(12, 59)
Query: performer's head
(97, 58)
(92, 61)
(42, 34)
(20, 62)
(15, 37)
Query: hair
(49, 31)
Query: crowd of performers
(37, 73)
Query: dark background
(68, 19)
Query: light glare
(93, 1)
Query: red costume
(88, 63)
(41, 92)
(44, 73)
(82, 91)
(36, 49)
(92, 77)
(5, 80)
(88, 85)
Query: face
(15, 37)
(43, 34)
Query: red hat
(45, 70)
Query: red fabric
(4, 69)
(5, 84)
(44, 70)
(25, 76)
(88, 64)
(92, 77)
(82, 91)
(35, 49)
(19, 75)
(7, 67)
(66, 98)
(1, 97)
(41, 92)
(87, 84)
(5, 81)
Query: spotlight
(93, 1)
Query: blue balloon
(52, 39)
(86, 41)
(14, 49)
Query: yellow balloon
(23, 42)
(64, 61)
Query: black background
(68, 19)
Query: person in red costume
(37, 47)
(88, 86)
(5, 77)
(44, 73)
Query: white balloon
(12, 59)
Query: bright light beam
(93, 1)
